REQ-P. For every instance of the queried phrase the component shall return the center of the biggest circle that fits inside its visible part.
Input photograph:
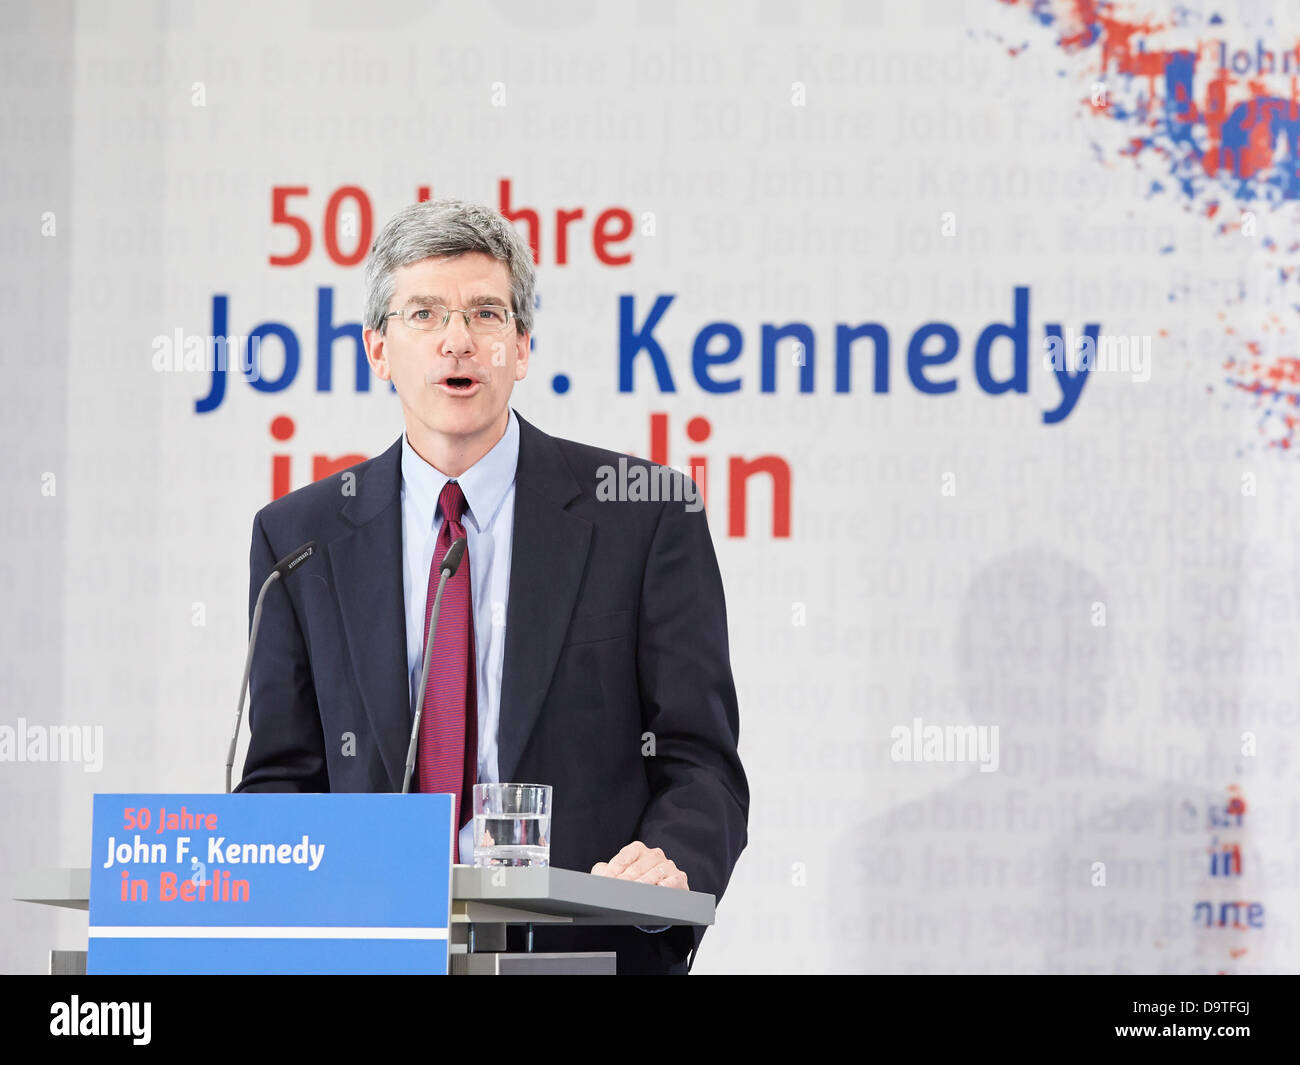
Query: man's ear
(523, 348)
(375, 342)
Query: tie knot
(452, 501)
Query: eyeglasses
(483, 320)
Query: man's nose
(456, 339)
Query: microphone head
(451, 560)
(294, 559)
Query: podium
(484, 903)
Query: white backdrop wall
(1100, 565)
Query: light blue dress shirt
(489, 488)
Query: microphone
(282, 569)
(450, 563)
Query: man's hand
(638, 862)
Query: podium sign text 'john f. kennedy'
(270, 884)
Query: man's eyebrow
(438, 301)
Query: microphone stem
(248, 669)
(424, 682)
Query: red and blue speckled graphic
(1216, 110)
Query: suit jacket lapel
(367, 568)
(548, 556)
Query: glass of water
(512, 824)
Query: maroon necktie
(447, 755)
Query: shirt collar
(484, 484)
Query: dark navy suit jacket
(616, 627)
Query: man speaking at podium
(582, 642)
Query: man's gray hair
(440, 229)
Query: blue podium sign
(270, 884)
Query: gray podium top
(564, 895)
(537, 894)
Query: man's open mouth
(460, 384)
